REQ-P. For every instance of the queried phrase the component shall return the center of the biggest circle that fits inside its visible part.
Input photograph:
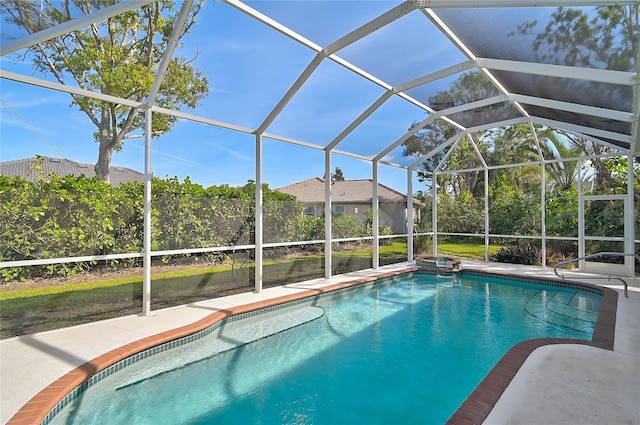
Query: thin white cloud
(26, 103)
(11, 118)
(174, 158)
(388, 157)
(230, 151)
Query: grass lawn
(466, 249)
(26, 311)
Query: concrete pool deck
(557, 384)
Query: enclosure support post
(629, 216)
(259, 204)
(375, 224)
(434, 212)
(327, 214)
(409, 214)
(543, 212)
(146, 282)
(487, 242)
(581, 243)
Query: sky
(250, 67)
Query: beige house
(354, 197)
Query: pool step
(560, 309)
(227, 337)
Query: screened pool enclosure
(499, 124)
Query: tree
(573, 37)
(469, 87)
(608, 38)
(337, 175)
(424, 141)
(117, 57)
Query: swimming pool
(408, 349)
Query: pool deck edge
(479, 404)
(39, 406)
(475, 410)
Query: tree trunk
(104, 161)
(105, 149)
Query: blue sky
(249, 67)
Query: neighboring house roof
(342, 191)
(28, 168)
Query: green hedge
(77, 216)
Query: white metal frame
(330, 51)
(626, 269)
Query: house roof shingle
(27, 168)
(342, 191)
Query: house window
(339, 209)
(310, 211)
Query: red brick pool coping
(473, 410)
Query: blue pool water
(404, 350)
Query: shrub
(385, 231)
(347, 226)
(519, 254)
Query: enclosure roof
(366, 70)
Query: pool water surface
(408, 349)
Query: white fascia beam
(447, 155)
(370, 110)
(497, 124)
(532, 128)
(573, 107)
(572, 128)
(362, 73)
(441, 4)
(292, 141)
(437, 75)
(381, 21)
(473, 105)
(392, 164)
(352, 155)
(598, 141)
(68, 89)
(437, 149)
(202, 120)
(421, 105)
(469, 54)
(168, 53)
(273, 24)
(475, 148)
(413, 130)
(435, 19)
(328, 52)
(69, 26)
(503, 89)
(297, 85)
(322, 148)
(560, 71)
(441, 114)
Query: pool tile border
(476, 408)
(48, 402)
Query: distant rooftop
(342, 191)
(28, 168)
